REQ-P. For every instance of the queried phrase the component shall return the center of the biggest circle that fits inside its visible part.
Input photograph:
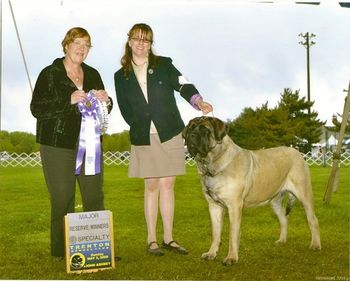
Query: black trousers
(59, 171)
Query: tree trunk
(334, 176)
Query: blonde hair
(74, 33)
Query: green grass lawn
(25, 250)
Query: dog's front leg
(235, 215)
(216, 217)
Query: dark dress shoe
(154, 251)
(58, 258)
(178, 249)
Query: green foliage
(337, 124)
(306, 126)
(117, 142)
(261, 128)
(286, 124)
(18, 142)
(24, 233)
(25, 142)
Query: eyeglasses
(141, 40)
(80, 44)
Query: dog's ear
(220, 128)
(184, 131)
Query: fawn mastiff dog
(233, 178)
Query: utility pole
(307, 44)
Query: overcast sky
(238, 53)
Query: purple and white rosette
(89, 139)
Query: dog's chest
(210, 179)
(210, 182)
(211, 187)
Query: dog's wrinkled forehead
(214, 125)
(199, 121)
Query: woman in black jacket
(145, 87)
(60, 88)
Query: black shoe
(156, 251)
(177, 249)
(117, 258)
(58, 258)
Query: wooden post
(334, 176)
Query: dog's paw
(316, 247)
(208, 256)
(281, 241)
(229, 261)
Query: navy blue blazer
(161, 108)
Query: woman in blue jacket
(145, 86)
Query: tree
(18, 142)
(261, 128)
(286, 124)
(116, 142)
(124, 141)
(5, 142)
(337, 124)
(306, 126)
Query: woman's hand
(101, 95)
(205, 107)
(77, 96)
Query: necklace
(141, 64)
(76, 76)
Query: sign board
(89, 241)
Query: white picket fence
(122, 158)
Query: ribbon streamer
(89, 139)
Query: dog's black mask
(198, 134)
(198, 140)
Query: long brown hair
(146, 32)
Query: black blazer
(58, 121)
(162, 80)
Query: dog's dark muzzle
(198, 141)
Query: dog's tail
(291, 201)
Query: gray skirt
(158, 159)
